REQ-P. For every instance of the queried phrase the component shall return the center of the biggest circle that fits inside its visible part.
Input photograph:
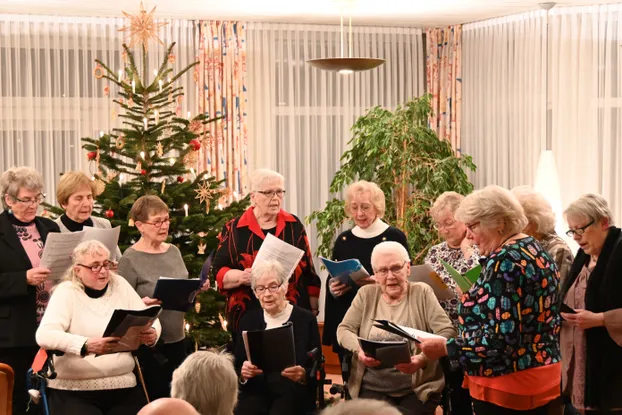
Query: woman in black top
(292, 390)
(365, 205)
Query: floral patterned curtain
(221, 75)
(444, 81)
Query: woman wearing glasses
(241, 239)
(591, 338)
(75, 193)
(459, 252)
(508, 333)
(92, 379)
(414, 387)
(24, 285)
(142, 265)
(293, 390)
(365, 206)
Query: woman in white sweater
(91, 379)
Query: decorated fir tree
(155, 151)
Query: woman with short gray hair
(24, 285)
(541, 225)
(291, 391)
(509, 319)
(241, 239)
(203, 368)
(591, 338)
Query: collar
(249, 220)
(18, 222)
(93, 293)
(375, 229)
(74, 226)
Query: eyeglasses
(363, 208)
(260, 289)
(158, 224)
(579, 231)
(472, 225)
(444, 225)
(96, 267)
(395, 269)
(270, 193)
(37, 200)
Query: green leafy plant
(400, 152)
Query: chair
(7, 378)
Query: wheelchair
(342, 389)
(37, 380)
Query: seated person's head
(361, 407)
(166, 406)
(269, 282)
(208, 381)
(391, 265)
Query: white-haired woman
(90, 378)
(287, 392)
(541, 225)
(365, 206)
(592, 338)
(75, 192)
(459, 252)
(508, 340)
(414, 387)
(24, 288)
(241, 239)
(207, 368)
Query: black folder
(390, 353)
(127, 324)
(271, 350)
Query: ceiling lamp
(346, 65)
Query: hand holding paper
(275, 249)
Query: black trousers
(158, 364)
(126, 401)
(20, 359)
(287, 398)
(487, 408)
(460, 399)
(407, 405)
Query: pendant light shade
(346, 65)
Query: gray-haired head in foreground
(388, 247)
(266, 267)
(361, 407)
(167, 406)
(208, 381)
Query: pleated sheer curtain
(50, 97)
(504, 98)
(586, 101)
(300, 117)
(505, 109)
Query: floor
(337, 379)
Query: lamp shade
(346, 65)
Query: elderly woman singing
(414, 387)
(91, 378)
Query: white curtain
(50, 97)
(300, 117)
(586, 101)
(504, 98)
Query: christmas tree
(155, 151)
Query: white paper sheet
(419, 334)
(59, 247)
(275, 249)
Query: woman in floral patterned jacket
(508, 334)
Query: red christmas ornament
(109, 213)
(195, 144)
(91, 155)
(180, 179)
(143, 172)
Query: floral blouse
(509, 320)
(455, 258)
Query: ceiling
(421, 13)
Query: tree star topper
(142, 27)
